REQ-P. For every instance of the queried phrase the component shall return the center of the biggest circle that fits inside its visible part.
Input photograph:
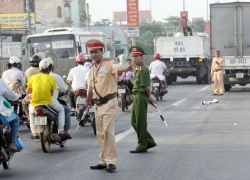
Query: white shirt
(77, 75)
(61, 86)
(13, 75)
(157, 67)
(5, 92)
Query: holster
(104, 100)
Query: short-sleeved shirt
(142, 78)
(77, 76)
(41, 84)
(215, 66)
(157, 67)
(104, 77)
(30, 72)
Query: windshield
(59, 46)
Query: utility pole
(183, 5)
(87, 16)
(29, 18)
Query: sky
(161, 9)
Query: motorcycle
(157, 88)
(81, 95)
(47, 121)
(5, 140)
(124, 96)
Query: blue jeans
(67, 117)
(14, 125)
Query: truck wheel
(206, 79)
(199, 80)
(227, 87)
(174, 78)
(169, 80)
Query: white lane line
(122, 135)
(179, 102)
(204, 88)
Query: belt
(105, 99)
(138, 92)
(216, 70)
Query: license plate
(121, 90)
(155, 84)
(239, 75)
(80, 100)
(40, 120)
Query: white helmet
(44, 64)
(42, 55)
(14, 59)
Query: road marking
(122, 135)
(204, 88)
(179, 102)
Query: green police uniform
(140, 106)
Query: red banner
(132, 13)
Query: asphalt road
(202, 142)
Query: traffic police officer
(102, 86)
(218, 64)
(142, 95)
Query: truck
(185, 55)
(230, 33)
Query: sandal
(73, 113)
(13, 147)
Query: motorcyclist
(61, 87)
(14, 76)
(42, 86)
(34, 69)
(158, 68)
(6, 113)
(126, 76)
(76, 78)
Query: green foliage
(173, 23)
(199, 25)
(103, 22)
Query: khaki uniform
(105, 79)
(217, 74)
(139, 111)
(30, 72)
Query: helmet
(45, 63)
(14, 60)
(157, 56)
(51, 60)
(123, 60)
(80, 58)
(36, 58)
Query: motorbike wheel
(157, 95)
(6, 164)
(45, 138)
(123, 104)
(93, 126)
(79, 116)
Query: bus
(63, 44)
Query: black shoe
(98, 167)
(73, 113)
(151, 146)
(138, 151)
(68, 136)
(214, 94)
(62, 137)
(220, 94)
(111, 168)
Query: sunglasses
(96, 52)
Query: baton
(161, 115)
(83, 117)
(209, 102)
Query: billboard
(132, 13)
(11, 23)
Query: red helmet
(157, 56)
(80, 58)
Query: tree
(199, 25)
(172, 24)
(103, 22)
